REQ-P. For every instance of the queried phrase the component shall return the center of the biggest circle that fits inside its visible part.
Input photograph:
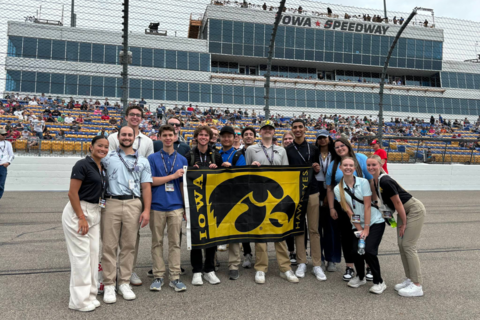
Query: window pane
(84, 86)
(182, 60)
(147, 89)
(28, 81)
(134, 90)
(238, 95)
(147, 57)
(171, 59)
(193, 61)
(228, 94)
(109, 87)
(98, 52)
(237, 32)
(43, 83)
(85, 52)
(72, 51)
(206, 93)
(58, 50)
(215, 30)
(58, 83)
(159, 90)
(204, 62)
(259, 34)
(227, 31)
(29, 47)
(194, 92)
(110, 54)
(97, 86)
(136, 55)
(13, 80)
(216, 93)
(119, 87)
(44, 49)
(15, 46)
(171, 90)
(159, 58)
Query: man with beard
(129, 179)
(143, 145)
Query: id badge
(131, 184)
(356, 218)
(325, 185)
(387, 214)
(169, 187)
(101, 203)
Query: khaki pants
(119, 229)
(261, 256)
(313, 215)
(234, 258)
(173, 221)
(408, 244)
(83, 254)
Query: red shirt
(105, 117)
(383, 155)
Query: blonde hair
(379, 160)
(343, 201)
(283, 137)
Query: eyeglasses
(340, 147)
(138, 115)
(238, 133)
(175, 124)
(4, 134)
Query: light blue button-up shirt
(119, 176)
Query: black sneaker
(182, 271)
(150, 273)
(293, 259)
(349, 272)
(369, 275)
(233, 274)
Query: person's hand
(82, 226)
(333, 214)
(178, 174)
(196, 166)
(256, 163)
(401, 230)
(226, 164)
(213, 166)
(364, 234)
(316, 167)
(6, 164)
(144, 218)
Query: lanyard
(165, 165)
(231, 154)
(353, 191)
(327, 163)
(301, 156)
(4, 146)
(135, 167)
(266, 154)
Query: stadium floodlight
(153, 29)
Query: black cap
(227, 129)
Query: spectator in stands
(97, 112)
(61, 135)
(88, 118)
(381, 153)
(142, 102)
(411, 216)
(264, 7)
(38, 126)
(106, 102)
(51, 119)
(84, 106)
(12, 135)
(103, 133)
(61, 118)
(75, 127)
(47, 135)
(113, 121)
(329, 11)
(105, 117)
(32, 140)
(55, 113)
(79, 119)
(77, 105)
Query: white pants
(83, 253)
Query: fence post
(471, 156)
(416, 153)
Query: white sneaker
(301, 269)
(211, 277)
(406, 282)
(96, 303)
(109, 295)
(88, 308)
(260, 277)
(318, 272)
(411, 291)
(247, 262)
(222, 247)
(197, 279)
(127, 293)
(356, 282)
(290, 276)
(378, 288)
(135, 280)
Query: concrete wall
(53, 174)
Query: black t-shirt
(92, 186)
(204, 160)
(388, 188)
(295, 159)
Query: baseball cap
(322, 133)
(3, 131)
(374, 142)
(267, 123)
(227, 129)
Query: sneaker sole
(155, 289)
(320, 279)
(234, 278)
(356, 285)
(347, 279)
(119, 292)
(369, 279)
(136, 284)
(212, 283)
(411, 296)
(109, 302)
(259, 281)
(178, 290)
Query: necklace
(324, 155)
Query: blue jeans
(3, 177)
(39, 135)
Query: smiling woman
(81, 225)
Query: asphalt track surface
(34, 273)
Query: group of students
(123, 185)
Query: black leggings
(346, 233)
(196, 258)
(371, 252)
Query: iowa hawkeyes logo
(249, 207)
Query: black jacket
(207, 156)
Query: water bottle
(361, 247)
(392, 222)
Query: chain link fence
(205, 62)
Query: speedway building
(321, 64)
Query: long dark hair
(337, 159)
(331, 146)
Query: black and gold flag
(245, 204)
